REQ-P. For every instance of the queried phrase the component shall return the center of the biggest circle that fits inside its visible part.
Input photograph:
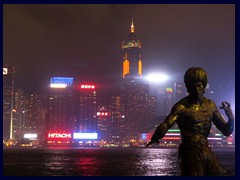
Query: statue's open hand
(227, 107)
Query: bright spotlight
(156, 78)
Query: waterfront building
(8, 100)
(87, 108)
(132, 56)
(61, 105)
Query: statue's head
(194, 76)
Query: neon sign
(62, 80)
(84, 86)
(59, 135)
(102, 114)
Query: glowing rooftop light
(156, 78)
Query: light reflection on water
(160, 162)
(93, 162)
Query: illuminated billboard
(5, 70)
(56, 135)
(58, 85)
(170, 90)
(62, 80)
(85, 135)
(30, 136)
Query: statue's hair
(195, 74)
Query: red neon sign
(85, 86)
(59, 135)
(102, 113)
(171, 138)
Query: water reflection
(159, 162)
(97, 162)
(107, 162)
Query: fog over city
(84, 41)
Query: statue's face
(196, 90)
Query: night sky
(84, 41)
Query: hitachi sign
(59, 135)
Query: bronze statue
(194, 115)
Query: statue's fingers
(228, 104)
(223, 104)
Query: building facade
(61, 105)
(87, 108)
(132, 56)
(8, 100)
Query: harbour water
(100, 161)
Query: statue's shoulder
(180, 105)
(209, 101)
(183, 102)
(210, 104)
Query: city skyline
(84, 41)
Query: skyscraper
(132, 56)
(8, 97)
(87, 104)
(61, 105)
(134, 96)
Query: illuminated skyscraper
(135, 100)
(103, 123)
(132, 57)
(8, 97)
(61, 105)
(87, 108)
(118, 125)
(28, 116)
(138, 108)
(19, 113)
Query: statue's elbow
(228, 133)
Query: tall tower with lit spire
(132, 56)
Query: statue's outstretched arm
(225, 127)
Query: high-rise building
(138, 108)
(132, 56)
(103, 123)
(27, 113)
(61, 105)
(19, 113)
(8, 98)
(87, 106)
(118, 124)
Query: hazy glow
(156, 77)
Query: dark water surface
(100, 161)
